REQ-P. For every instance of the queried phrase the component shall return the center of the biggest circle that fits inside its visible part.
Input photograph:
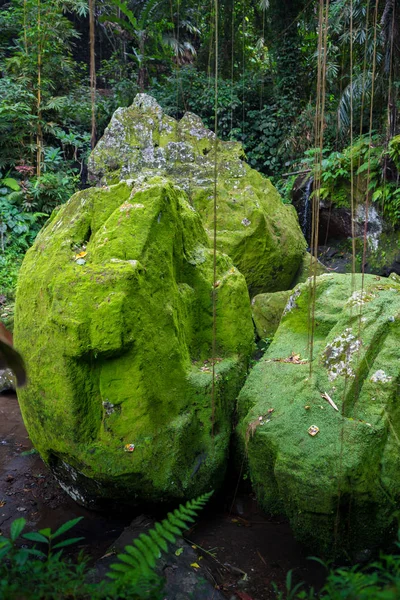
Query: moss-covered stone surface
(309, 267)
(341, 487)
(254, 227)
(114, 319)
(266, 310)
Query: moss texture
(116, 341)
(341, 488)
(266, 310)
(309, 266)
(255, 228)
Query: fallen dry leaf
(293, 358)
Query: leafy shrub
(379, 580)
(45, 574)
(366, 160)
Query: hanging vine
(92, 41)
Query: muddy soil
(243, 549)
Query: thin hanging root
(326, 396)
(92, 72)
(216, 282)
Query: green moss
(309, 267)
(343, 484)
(115, 345)
(267, 311)
(254, 227)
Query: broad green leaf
(68, 542)
(36, 537)
(36, 552)
(66, 527)
(46, 532)
(16, 528)
(11, 183)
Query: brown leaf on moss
(293, 358)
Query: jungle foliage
(267, 55)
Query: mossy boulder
(114, 317)
(254, 227)
(266, 310)
(341, 487)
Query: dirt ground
(244, 550)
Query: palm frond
(351, 97)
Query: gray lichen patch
(291, 303)
(380, 377)
(359, 297)
(339, 353)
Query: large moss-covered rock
(114, 317)
(341, 487)
(254, 227)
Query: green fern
(139, 560)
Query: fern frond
(147, 555)
(118, 567)
(159, 541)
(154, 548)
(164, 533)
(139, 559)
(142, 565)
(128, 560)
(184, 510)
(169, 526)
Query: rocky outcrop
(321, 430)
(114, 316)
(260, 234)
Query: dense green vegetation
(267, 89)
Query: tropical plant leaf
(35, 536)
(68, 542)
(16, 528)
(66, 527)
